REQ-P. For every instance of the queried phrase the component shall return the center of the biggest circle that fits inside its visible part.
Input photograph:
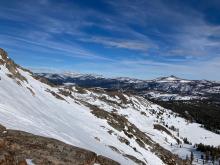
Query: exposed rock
(105, 161)
(2, 143)
(11, 66)
(2, 128)
(7, 158)
(55, 94)
(162, 128)
(32, 92)
(137, 161)
(17, 146)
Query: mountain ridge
(164, 88)
(78, 74)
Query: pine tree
(206, 156)
(191, 157)
(213, 159)
(202, 157)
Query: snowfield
(40, 109)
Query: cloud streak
(118, 43)
(150, 34)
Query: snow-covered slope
(126, 128)
(32, 106)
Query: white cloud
(120, 43)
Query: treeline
(205, 112)
(211, 153)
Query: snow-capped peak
(171, 78)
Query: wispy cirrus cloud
(120, 43)
(157, 33)
(53, 46)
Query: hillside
(124, 127)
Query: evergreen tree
(207, 156)
(191, 157)
(202, 157)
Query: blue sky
(135, 38)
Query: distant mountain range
(163, 88)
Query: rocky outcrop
(11, 66)
(8, 157)
(17, 146)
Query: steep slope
(28, 105)
(124, 127)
